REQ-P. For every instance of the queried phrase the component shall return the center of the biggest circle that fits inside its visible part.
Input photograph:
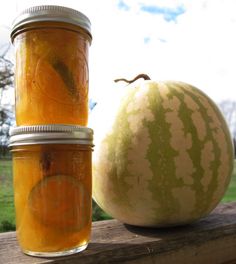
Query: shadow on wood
(210, 240)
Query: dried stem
(142, 75)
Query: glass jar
(52, 188)
(51, 75)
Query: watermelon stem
(142, 75)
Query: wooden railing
(211, 240)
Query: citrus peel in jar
(52, 188)
(52, 75)
(53, 199)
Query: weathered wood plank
(210, 240)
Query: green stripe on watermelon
(161, 160)
(196, 153)
(221, 135)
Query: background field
(7, 214)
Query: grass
(7, 210)
(230, 194)
(7, 213)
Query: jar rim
(50, 134)
(53, 13)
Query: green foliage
(7, 210)
(7, 226)
(98, 213)
(231, 192)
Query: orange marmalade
(52, 188)
(51, 75)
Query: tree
(234, 141)
(228, 108)
(6, 112)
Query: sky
(185, 40)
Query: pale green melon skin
(167, 159)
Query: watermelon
(166, 159)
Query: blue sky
(186, 40)
(168, 13)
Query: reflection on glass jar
(52, 188)
(51, 77)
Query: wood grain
(210, 240)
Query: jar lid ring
(54, 13)
(50, 134)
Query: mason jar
(51, 73)
(52, 188)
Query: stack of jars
(51, 144)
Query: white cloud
(198, 48)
